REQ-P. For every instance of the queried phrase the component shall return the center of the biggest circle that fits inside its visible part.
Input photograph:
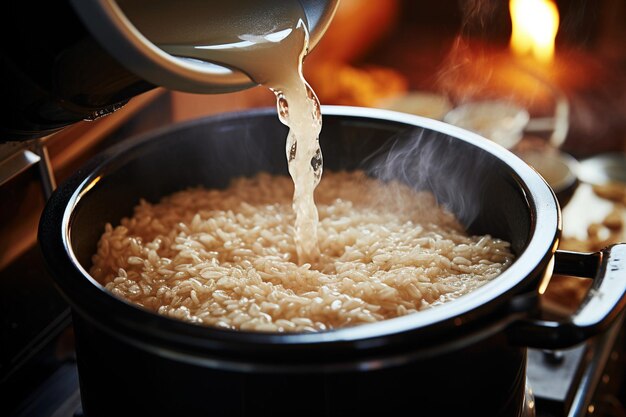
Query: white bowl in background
(501, 121)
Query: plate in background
(603, 168)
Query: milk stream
(274, 60)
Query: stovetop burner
(581, 381)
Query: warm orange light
(535, 24)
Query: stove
(581, 381)
(38, 372)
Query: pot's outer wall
(117, 378)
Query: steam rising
(431, 161)
(477, 15)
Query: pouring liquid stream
(274, 60)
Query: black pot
(468, 354)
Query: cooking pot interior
(481, 189)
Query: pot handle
(603, 303)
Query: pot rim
(545, 229)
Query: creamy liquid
(274, 59)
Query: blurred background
(426, 57)
(549, 83)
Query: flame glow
(535, 24)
